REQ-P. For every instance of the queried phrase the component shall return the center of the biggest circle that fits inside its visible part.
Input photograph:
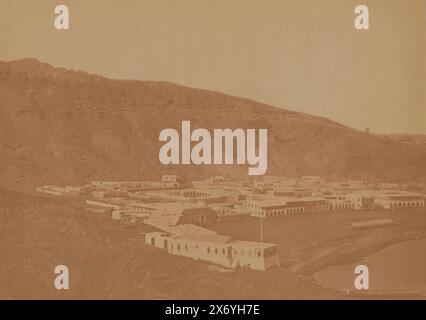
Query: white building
(169, 178)
(286, 206)
(202, 244)
(397, 200)
(339, 204)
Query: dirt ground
(311, 243)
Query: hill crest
(65, 126)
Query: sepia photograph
(212, 150)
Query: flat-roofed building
(129, 216)
(397, 200)
(363, 199)
(310, 180)
(226, 212)
(202, 244)
(339, 204)
(144, 207)
(286, 206)
(168, 178)
(254, 255)
(116, 184)
(61, 191)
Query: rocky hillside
(64, 126)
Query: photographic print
(212, 150)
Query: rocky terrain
(63, 126)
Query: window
(215, 250)
(208, 249)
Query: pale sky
(302, 55)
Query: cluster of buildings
(184, 211)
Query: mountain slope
(63, 126)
